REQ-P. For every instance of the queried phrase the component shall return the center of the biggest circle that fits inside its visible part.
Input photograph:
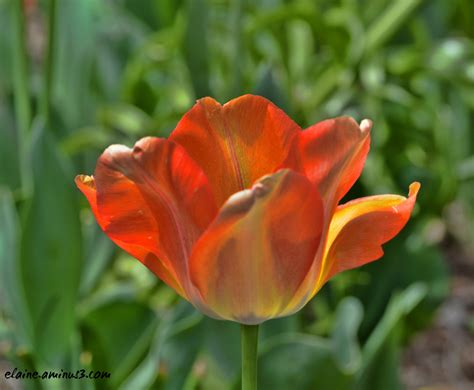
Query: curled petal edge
(360, 227)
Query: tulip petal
(87, 185)
(154, 202)
(360, 227)
(331, 154)
(252, 258)
(237, 143)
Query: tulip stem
(249, 341)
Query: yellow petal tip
(414, 188)
(85, 179)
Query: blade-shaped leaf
(51, 250)
(99, 254)
(344, 335)
(195, 47)
(182, 347)
(298, 361)
(380, 354)
(11, 291)
(175, 345)
(9, 162)
(118, 334)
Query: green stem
(21, 91)
(249, 340)
(49, 63)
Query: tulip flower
(238, 210)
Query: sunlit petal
(360, 227)
(153, 201)
(331, 154)
(237, 143)
(251, 260)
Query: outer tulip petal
(251, 260)
(332, 154)
(87, 185)
(154, 202)
(360, 227)
(237, 143)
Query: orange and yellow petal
(331, 154)
(251, 260)
(360, 227)
(237, 143)
(154, 202)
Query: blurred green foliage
(124, 69)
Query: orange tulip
(238, 209)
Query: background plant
(92, 73)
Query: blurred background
(76, 76)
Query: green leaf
(144, 10)
(380, 353)
(51, 250)
(182, 347)
(11, 290)
(294, 360)
(6, 61)
(145, 374)
(118, 334)
(404, 263)
(86, 138)
(8, 247)
(301, 43)
(389, 22)
(223, 345)
(344, 335)
(195, 47)
(76, 51)
(275, 327)
(384, 373)
(9, 161)
(99, 254)
(176, 342)
(125, 118)
(298, 361)
(268, 87)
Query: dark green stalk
(21, 90)
(249, 341)
(49, 63)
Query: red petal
(251, 260)
(87, 185)
(331, 154)
(360, 227)
(237, 143)
(154, 202)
